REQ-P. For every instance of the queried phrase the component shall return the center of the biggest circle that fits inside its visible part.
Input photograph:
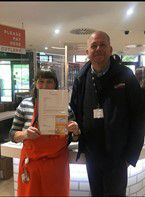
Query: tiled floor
(7, 187)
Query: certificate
(53, 111)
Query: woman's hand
(31, 133)
(72, 127)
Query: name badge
(98, 113)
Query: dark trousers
(107, 181)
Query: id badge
(98, 113)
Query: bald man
(109, 108)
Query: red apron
(44, 166)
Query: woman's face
(45, 84)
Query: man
(109, 109)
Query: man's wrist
(76, 134)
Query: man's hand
(72, 127)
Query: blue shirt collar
(103, 72)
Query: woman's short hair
(47, 74)
(44, 74)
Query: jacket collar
(100, 74)
(114, 66)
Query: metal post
(35, 62)
(66, 70)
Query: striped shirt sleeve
(22, 118)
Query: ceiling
(40, 19)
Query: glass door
(131, 61)
(21, 78)
(5, 81)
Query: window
(43, 58)
(5, 81)
(132, 67)
(130, 58)
(80, 58)
(142, 60)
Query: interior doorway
(20, 78)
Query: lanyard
(96, 89)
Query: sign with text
(12, 40)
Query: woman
(44, 163)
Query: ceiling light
(135, 46)
(57, 47)
(46, 48)
(57, 31)
(130, 11)
(131, 46)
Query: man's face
(99, 49)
